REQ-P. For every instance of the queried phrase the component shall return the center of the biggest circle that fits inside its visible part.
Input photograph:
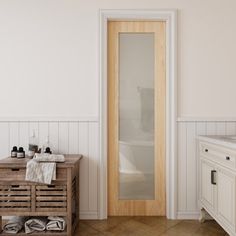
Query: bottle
(48, 150)
(33, 145)
(21, 153)
(14, 152)
(46, 146)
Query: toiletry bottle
(48, 150)
(14, 152)
(46, 146)
(33, 145)
(21, 153)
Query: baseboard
(180, 215)
(83, 216)
(185, 215)
(94, 216)
(88, 215)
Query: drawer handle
(206, 150)
(51, 186)
(15, 186)
(213, 177)
(227, 158)
(15, 169)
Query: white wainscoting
(78, 136)
(188, 129)
(82, 136)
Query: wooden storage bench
(23, 198)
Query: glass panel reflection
(136, 116)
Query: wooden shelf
(50, 233)
(23, 198)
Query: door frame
(170, 17)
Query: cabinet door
(226, 196)
(207, 188)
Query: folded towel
(35, 224)
(40, 172)
(45, 157)
(14, 225)
(56, 223)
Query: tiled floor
(147, 226)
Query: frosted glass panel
(136, 116)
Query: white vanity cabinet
(207, 188)
(217, 179)
(226, 197)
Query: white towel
(56, 223)
(45, 157)
(40, 172)
(14, 225)
(35, 224)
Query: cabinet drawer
(12, 174)
(224, 156)
(15, 198)
(50, 198)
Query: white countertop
(223, 140)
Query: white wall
(52, 45)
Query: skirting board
(83, 216)
(188, 215)
(94, 216)
(88, 215)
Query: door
(136, 118)
(226, 196)
(208, 184)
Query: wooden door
(154, 203)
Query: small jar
(21, 153)
(46, 145)
(14, 152)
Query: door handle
(213, 177)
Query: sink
(225, 140)
(228, 137)
(231, 137)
